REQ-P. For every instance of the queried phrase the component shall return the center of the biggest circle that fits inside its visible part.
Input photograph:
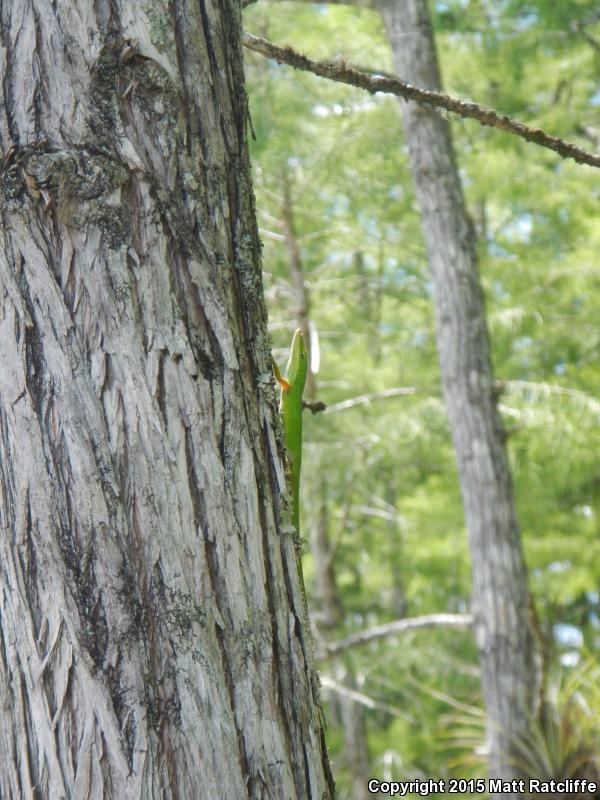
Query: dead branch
(342, 72)
(399, 626)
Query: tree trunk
(356, 753)
(499, 572)
(330, 611)
(153, 635)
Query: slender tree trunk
(327, 597)
(153, 639)
(356, 753)
(301, 293)
(499, 573)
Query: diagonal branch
(358, 697)
(340, 71)
(396, 627)
(366, 399)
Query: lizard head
(297, 366)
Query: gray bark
(356, 754)
(153, 639)
(500, 595)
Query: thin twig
(358, 697)
(366, 399)
(314, 406)
(397, 627)
(340, 71)
(579, 28)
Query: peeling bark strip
(428, 98)
(152, 639)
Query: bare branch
(446, 698)
(382, 513)
(580, 29)
(276, 237)
(358, 697)
(340, 71)
(399, 626)
(314, 406)
(366, 399)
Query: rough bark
(153, 639)
(500, 595)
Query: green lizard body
(290, 408)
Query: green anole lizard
(290, 408)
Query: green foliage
(381, 476)
(563, 741)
